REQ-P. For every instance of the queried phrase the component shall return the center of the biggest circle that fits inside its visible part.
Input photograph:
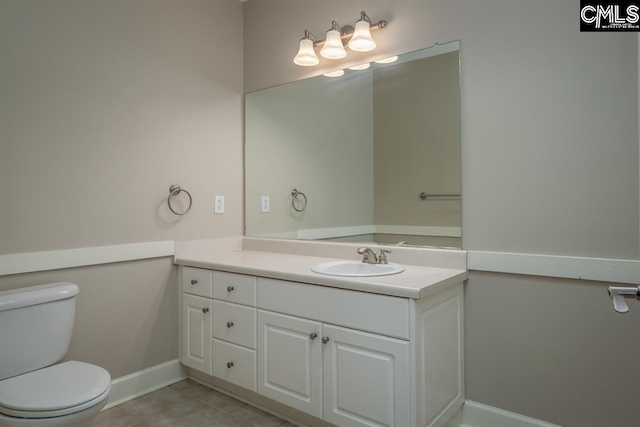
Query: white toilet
(35, 331)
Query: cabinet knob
(194, 282)
(313, 335)
(205, 310)
(230, 288)
(325, 340)
(229, 365)
(229, 324)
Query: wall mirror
(370, 156)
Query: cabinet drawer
(234, 323)
(196, 281)
(237, 288)
(375, 313)
(234, 364)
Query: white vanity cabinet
(347, 357)
(219, 325)
(344, 376)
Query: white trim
(417, 230)
(480, 415)
(68, 258)
(142, 382)
(328, 233)
(358, 230)
(283, 235)
(599, 269)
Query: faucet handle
(382, 258)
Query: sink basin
(357, 269)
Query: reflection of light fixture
(360, 67)
(333, 47)
(336, 73)
(387, 60)
(306, 55)
(360, 40)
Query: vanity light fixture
(333, 47)
(306, 56)
(362, 40)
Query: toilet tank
(36, 324)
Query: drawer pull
(205, 310)
(194, 282)
(325, 340)
(229, 324)
(230, 288)
(229, 365)
(313, 335)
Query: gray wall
(126, 313)
(550, 166)
(104, 105)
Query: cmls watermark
(619, 16)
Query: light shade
(362, 40)
(360, 67)
(388, 60)
(336, 73)
(306, 55)
(333, 47)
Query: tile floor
(186, 404)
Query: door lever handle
(618, 293)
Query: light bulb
(333, 47)
(306, 56)
(362, 40)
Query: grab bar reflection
(425, 195)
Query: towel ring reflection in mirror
(302, 202)
(174, 190)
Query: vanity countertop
(414, 282)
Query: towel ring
(295, 193)
(174, 190)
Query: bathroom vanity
(363, 351)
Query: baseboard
(473, 414)
(142, 382)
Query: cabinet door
(366, 379)
(196, 333)
(289, 361)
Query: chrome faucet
(368, 255)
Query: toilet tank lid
(32, 295)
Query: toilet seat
(54, 391)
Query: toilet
(36, 324)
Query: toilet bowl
(68, 394)
(36, 327)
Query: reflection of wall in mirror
(314, 135)
(417, 145)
